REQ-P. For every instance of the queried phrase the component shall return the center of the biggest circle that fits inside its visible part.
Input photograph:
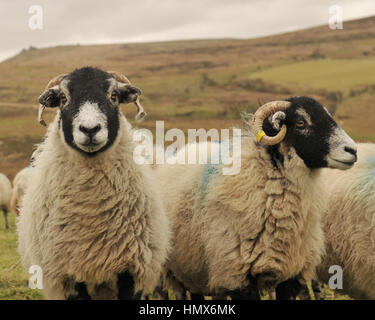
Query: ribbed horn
(264, 112)
(141, 113)
(119, 77)
(53, 82)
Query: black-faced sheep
(259, 229)
(5, 195)
(92, 219)
(349, 225)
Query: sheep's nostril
(82, 128)
(351, 151)
(96, 129)
(90, 131)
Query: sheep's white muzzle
(90, 132)
(343, 151)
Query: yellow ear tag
(260, 135)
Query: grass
(339, 74)
(13, 277)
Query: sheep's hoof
(81, 294)
(251, 292)
(125, 284)
(288, 290)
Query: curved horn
(141, 113)
(119, 77)
(262, 113)
(53, 82)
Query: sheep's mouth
(343, 164)
(90, 144)
(90, 147)
(350, 163)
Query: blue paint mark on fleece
(372, 162)
(209, 171)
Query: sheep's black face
(315, 136)
(89, 99)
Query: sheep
(260, 229)
(92, 219)
(20, 181)
(5, 194)
(349, 226)
(19, 186)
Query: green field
(192, 84)
(336, 74)
(13, 277)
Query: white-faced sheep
(349, 225)
(5, 195)
(92, 219)
(19, 187)
(259, 229)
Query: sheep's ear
(278, 119)
(49, 98)
(273, 123)
(129, 93)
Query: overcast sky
(92, 22)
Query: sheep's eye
(300, 124)
(63, 99)
(114, 96)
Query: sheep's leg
(81, 290)
(288, 290)
(251, 292)
(272, 294)
(178, 288)
(125, 284)
(196, 296)
(304, 294)
(5, 212)
(219, 297)
(319, 291)
(160, 294)
(181, 294)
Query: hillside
(203, 83)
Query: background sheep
(92, 219)
(349, 225)
(261, 228)
(19, 187)
(20, 181)
(5, 194)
